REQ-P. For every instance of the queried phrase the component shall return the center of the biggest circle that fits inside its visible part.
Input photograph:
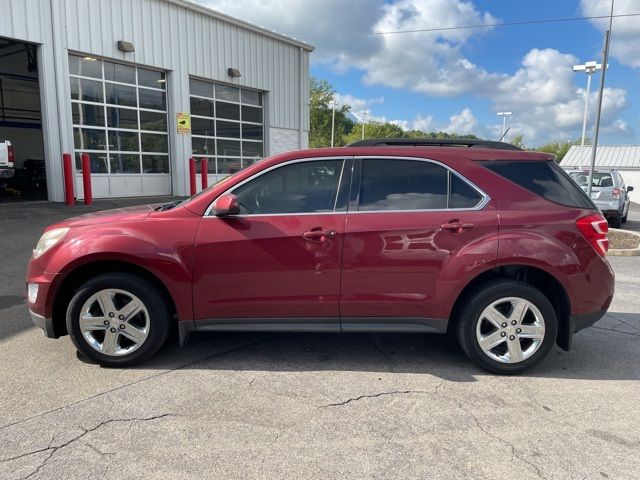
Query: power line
(484, 25)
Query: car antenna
(504, 134)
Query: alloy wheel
(114, 322)
(510, 330)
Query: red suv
(493, 244)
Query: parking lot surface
(312, 405)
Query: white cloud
(542, 92)
(425, 124)
(326, 24)
(625, 40)
(357, 104)
(545, 103)
(462, 123)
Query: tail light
(10, 155)
(615, 193)
(594, 228)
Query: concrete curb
(625, 252)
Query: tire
(615, 222)
(125, 320)
(539, 324)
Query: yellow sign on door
(184, 123)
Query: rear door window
(544, 178)
(398, 184)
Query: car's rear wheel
(506, 326)
(117, 319)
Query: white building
(623, 158)
(109, 77)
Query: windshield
(600, 179)
(219, 182)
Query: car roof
(435, 153)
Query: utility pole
(605, 62)
(333, 119)
(364, 120)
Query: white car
(6, 164)
(6, 159)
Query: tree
(321, 94)
(518, 141)
(559, 149)
(376, 130)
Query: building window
(119, 117)
(227, 126)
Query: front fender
(166, 253)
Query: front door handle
(457, 226)
(318, 234)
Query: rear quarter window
(544, 178)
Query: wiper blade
(168, 206)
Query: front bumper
(40, 299)
(45, 324)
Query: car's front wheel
(506, 326)
(117, 319)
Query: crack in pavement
(375, 395)
(52, 449)
(616, 331)
(461, 406)
(617, 318)
(150, 377)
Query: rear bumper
(609, 213)
(584, 320)
(574, 324)
(6, 172)
(46, 324)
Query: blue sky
(457, 80)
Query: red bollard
(204, 172)
(68, 179)
(86, 179)
(192, 175)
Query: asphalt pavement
(291, 406)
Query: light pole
(504, 116)
(589, 68)
(364, 120)
(333, 120)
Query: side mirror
(226, 205)
(629, 189)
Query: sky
(456, 80)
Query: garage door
(120, 121)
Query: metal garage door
(120, 120)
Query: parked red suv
(493, 244)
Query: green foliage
(347, 131)
(518, 141)
(375, 130)
(321, 94)
(559, 149)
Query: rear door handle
(457, 226)
(318, 234)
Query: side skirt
(322, 325)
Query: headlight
(48, 240)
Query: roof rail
(433, 142)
